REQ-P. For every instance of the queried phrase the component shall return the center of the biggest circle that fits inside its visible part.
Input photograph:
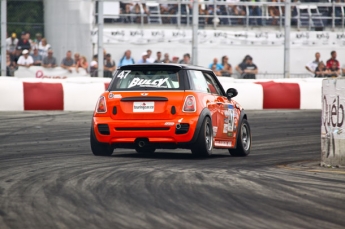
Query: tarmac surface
(50, 179)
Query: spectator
(321, 70)
(166, 58)
(334, 71)
(82, 63)
(16, 56)
(329, 63)
(159, 56)
(149, 58)
(343, 70)
(49, 61)
(237, 10)
(186, 59)
(143, 59)
(175, 60)
(67, 62)
(94, 66)
(27, 36)
(247, 69)
(24, 43)
(255, 11)
(77, 57)
(215, 65)
(274, 12)
(126, 59)
(109, 66)
(11, 44)
(43, 48)
(36, 57)
(10, 66)
(25, 60)
(38, 39)
(226, 67)
(312, 65)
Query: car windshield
(146, 79)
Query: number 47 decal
(123, 74)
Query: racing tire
(204, 143)
(99, 148)
(145, 150)
(244, 141)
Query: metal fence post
(195, 33)
(100, 39)
(3, 36)
(287, 39)
(178, 15)
(333, 15)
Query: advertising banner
(332, 126)
(50, 73)
(151, 36)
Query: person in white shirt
(312, 65)
(25, 60)
(43, 48)
(150, 59)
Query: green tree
(25, 15)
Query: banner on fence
(51, 73)
(151, 36)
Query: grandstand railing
(311, 16)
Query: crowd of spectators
(332, 67)
(28, 52)
(260, 15)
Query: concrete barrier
(78, 94)
(332, 126)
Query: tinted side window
(212, 84)
(198, 81)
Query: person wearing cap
(143, 59)
(49, 61)
(247, 69)
(24, 42)
(38, 39)
(175, 59)
(25, 60)
(11, 44)
(109, 66)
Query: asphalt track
(50, 179)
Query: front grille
(103, 129)
(140, 128)
(183, 129)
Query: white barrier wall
(81, 93)
(332, 126)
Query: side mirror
(231, 93)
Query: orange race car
(168, 106)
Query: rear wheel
(99, 148)
(204, 143)
(244, 141)
(145, 150)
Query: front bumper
(127, 132)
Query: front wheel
(244, 141)
(204, 143)
(99, 148)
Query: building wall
(68, 25)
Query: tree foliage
(25, 15)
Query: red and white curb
(81, 94)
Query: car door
(226, 115)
